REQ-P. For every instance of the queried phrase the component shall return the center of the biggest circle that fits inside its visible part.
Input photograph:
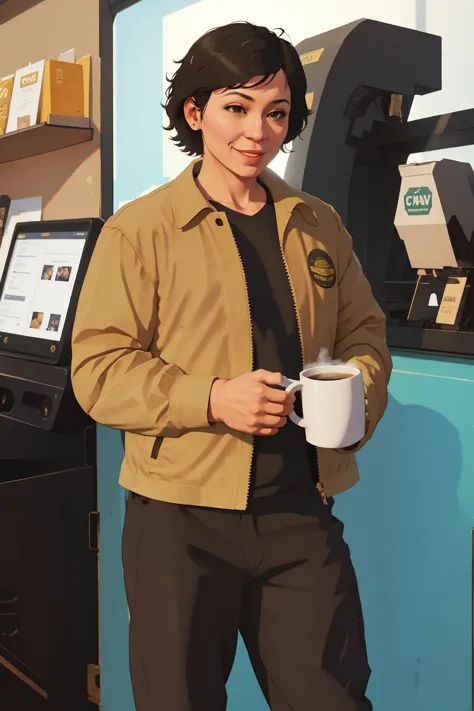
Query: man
(209, 300)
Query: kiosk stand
(48, 583)
(49, 525)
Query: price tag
(451, 301)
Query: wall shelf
(58, 132)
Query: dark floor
(15, 695)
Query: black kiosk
(48, 519)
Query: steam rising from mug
(323, 359)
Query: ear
(192, 114)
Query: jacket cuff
(189, 401)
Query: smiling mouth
(253, 154)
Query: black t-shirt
(282, 464)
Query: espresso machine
(411, 224)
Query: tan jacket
(164, 312)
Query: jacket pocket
(156, 447)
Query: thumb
(269, 378)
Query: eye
(235, 109)
(278, 115)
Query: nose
(255, 127)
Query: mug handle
(292, 386)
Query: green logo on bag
(418, 201)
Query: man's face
(245, 128)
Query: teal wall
(408, 522)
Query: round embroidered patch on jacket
(322, 268)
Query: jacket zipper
(253, 362)
(252, 351)
(319, 485)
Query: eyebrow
(250, 98)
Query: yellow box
(62, 92)
(6, 87)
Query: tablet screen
(39, 283)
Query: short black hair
(229, 57)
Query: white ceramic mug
(333, 410)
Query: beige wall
(70, 179)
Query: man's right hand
(247, 403)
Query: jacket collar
(188, 201)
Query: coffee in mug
(333, 401)
(330, 375)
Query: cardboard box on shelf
(46, 88)
(63, 90)
(6, 88)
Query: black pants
(194, 577)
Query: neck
(220, 184)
